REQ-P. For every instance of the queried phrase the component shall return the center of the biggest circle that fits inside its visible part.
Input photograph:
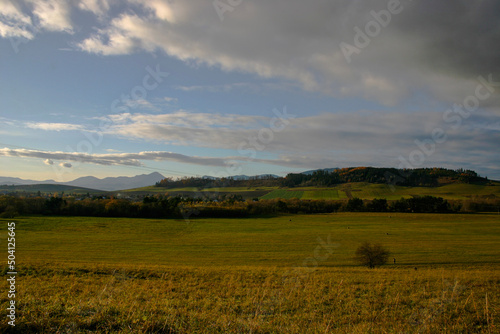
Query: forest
(419, 177)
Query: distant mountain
(106, 184)
(117, 183)
(310, 172)
(17, 181)
(46, 188)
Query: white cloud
(170, 99)
(13, 22)
(141, 104)
(98, 7)
(65, 165)
(246, 86)
(330, 130)
(10, 9)
(162, 10)
(54, 15)
(120, 38)
(124, 159)
(49, 162)
(54, 126)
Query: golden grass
(155, 299)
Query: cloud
(320, 132)
(119, 38)
(424, 46)
(98, 7)
(49, 162)
(435, 48)
(65, 165)
(123, 159)
(222, 88)
(50, 15)
(54, 15)
(13, 22)
(367, 137)
(364, 137)
(373, 136)
(430, 51)
(54, 126)
(170, 99)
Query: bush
(354, 205)
(10, 212)
(372, 255)
(377, 205)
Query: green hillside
(361, 190)
(370, 191)
(47, 189)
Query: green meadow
(414, 239)
(285, 274)
(372, 190)
(361, 190)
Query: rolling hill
(46, 189)
(336, 183)
(359, 182)
(363, 190)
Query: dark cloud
(455, 37)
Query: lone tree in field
(372, 255)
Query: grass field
(371, 191)
(341, 191)
(48, 189)
(414, 239)
(288, 274)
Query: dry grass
(251, 275)
(256, 300)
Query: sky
(229, 87)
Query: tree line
(183, 207)
(419, 177)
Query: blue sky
(109, 88)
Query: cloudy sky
(225, 87)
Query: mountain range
(105, 184)
(111, 183)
